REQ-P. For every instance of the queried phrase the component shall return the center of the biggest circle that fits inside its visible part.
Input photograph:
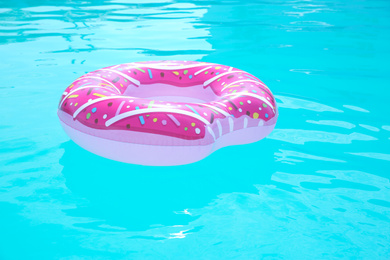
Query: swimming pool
(316, 188)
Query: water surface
(316, 188)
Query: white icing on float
(217, 109)
(253, 95)
(244, 80)
(208, 82)
(153, 110)
(200, 71)
(100, 78)
(136, 82)
(165, 66)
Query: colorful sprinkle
(190, 76)
(212, 118)
(241, 103)
(141, 118)
(150, 104)
(185, 128)
(266, 115)
(73, 96)
(231, 103)
(94, 110)
(254, 91)
(176, 73)
(76, 104)
(174, 119)
(192, 124)
(230, 108)
(185, 72)
(140, 70)
(128, 126)
(193, 110)
(155, 120)
(264, 105)
(150, 73)
(197, 131)
(249, 101)
(88, 115)
(98, 95)
(255, 115)
(200, 71)
(164, 122)
(218, 67)
(104, 116)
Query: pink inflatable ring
(166, 112)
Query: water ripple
(298, 103)
(336, 123)
(379, 156)
(299, 136)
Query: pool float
(166, 112)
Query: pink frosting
(97, 99)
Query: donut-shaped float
(166, 112)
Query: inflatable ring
(166, 112)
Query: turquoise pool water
(316, 188)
